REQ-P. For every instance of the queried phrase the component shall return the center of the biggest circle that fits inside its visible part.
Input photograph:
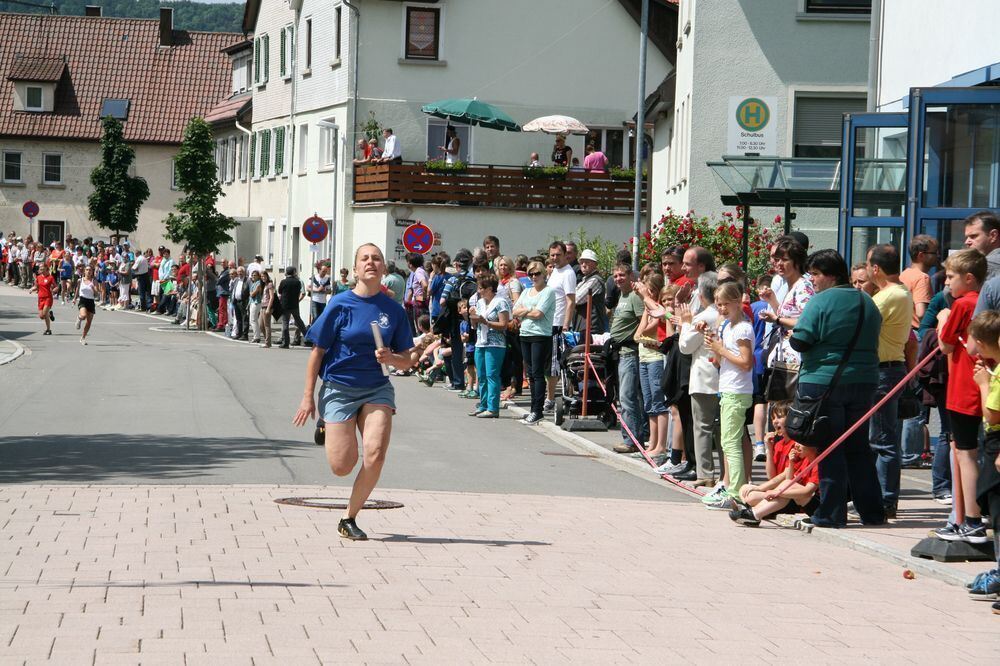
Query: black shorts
(88, 304)
(965, 430)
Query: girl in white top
(453, 146)
(732, 347)
(86, 291)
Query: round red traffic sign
(315, 229)
(30, 209)
(418, 238)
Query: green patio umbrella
(472, 112)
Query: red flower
(777, 219)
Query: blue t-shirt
(344, 330)
(437, 286)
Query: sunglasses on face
(535, 274)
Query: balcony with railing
(496, 186)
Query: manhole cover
(335, 503)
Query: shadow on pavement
(406, 538)
(14, 335)
(105, 457)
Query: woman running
(356, 395)
(86, 292)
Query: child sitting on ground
(785, 459)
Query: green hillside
(187, 15)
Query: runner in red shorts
(43, 285)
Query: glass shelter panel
(863, 238)
(961, 156)
(879, 171)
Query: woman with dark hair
(491, 314)
(822, 335)
(789, 260)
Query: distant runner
(44, 282)
(86, 292)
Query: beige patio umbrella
(555, 125)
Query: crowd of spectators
(705, 364)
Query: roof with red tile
(36, 69)
(229, 109)
(113, 58)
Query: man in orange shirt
(923, 257)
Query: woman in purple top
(356, 395)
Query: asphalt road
(147, 403)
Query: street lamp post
(640, 121)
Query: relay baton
(377, 333)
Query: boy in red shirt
(43, 285)
(965, 272)
(785, 459)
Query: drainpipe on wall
(356, 55)
(874, 54)
(291, 123)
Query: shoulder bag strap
(850, 347)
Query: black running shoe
(52, 316)
(319, 437)
(743, 516)
(348, 529)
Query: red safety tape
(840, 440)
(677, 482)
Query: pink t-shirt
(596, 161)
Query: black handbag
(804, 423)
(910, 401)
(783, 378)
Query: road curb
(844, 538)
(577, 442)
(19, 351)
(214, 334)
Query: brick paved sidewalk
(221, 574)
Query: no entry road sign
(30, 209)
(418, 238)
(315, 229)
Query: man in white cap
(590, 290)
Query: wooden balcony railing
(494, 186)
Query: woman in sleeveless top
(452, 147)
(86, 292)
(562, 154)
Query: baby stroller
(572, 362)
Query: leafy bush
(618, 173)
(550, 172)
(440, 166)
(218, 17)
(722, 237)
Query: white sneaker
(759, 453)
(718, 491)
(549, 405)
(83, 341)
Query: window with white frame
(284, 242)
(241, 73)
(437, 137)
(269, 249)
(817, 130)
(327, 147)
(33, 98)
(279, 151)
(12, 167)
(303, 148)
(52, 173)
(241, 142)
(287, 51)
(253, 156)
(338, 17)
(265, 152)
(261, 59)
(838, 6)
(173, 175)
(422, 33)
(309, 46)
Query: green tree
(117, 197)
(197, 224)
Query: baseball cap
(589, 255)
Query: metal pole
(640, 121)
(586, 354)
(745, 249)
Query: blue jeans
(850, 469)
(884, 436)
(630, 398)
(489, 361)
(650, 376)
(941, 466)
(913, 438)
